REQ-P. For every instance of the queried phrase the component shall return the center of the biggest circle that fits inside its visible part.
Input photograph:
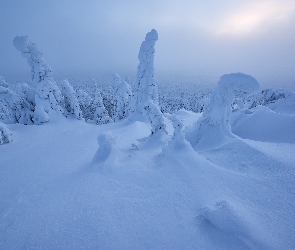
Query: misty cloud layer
(93, 37)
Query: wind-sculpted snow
(234, 229)
(77, 185)
(106, 144)
(264, 124)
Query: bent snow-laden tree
(47, 94)
(71, 103)
(123, 95)
(213, 127)
(146, 88)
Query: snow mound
(284, 105)
(177, 142)
(225, 223)
(264, 125)
(106, 145)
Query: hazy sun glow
(255, 17)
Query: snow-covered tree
(85, 104)
(123, 96)
(145, 86)
(155, 116)
(14, 108)
(70, 100)
(5, 134)
(3, 83)
(214, 127)
(101, 116)
(47, 94)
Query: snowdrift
(264, 124)
(75, 185)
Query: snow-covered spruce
(213, 127)
(123, 95)
(47, 94)
(13, 107)
(5, 134)
(146, 88)
(71, 103)
(85, 104)
(101, 116)
(155, 116)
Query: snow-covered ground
(68, 184)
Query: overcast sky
(90, 37)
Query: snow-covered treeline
(105, 100)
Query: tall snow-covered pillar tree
(213, 128)
(145, 88)
(47, 94)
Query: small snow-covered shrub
(155, 117)
(5, 134)
(71, 103)
(3, 83)
(178, 135)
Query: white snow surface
(68, 184)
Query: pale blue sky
(256, 37)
